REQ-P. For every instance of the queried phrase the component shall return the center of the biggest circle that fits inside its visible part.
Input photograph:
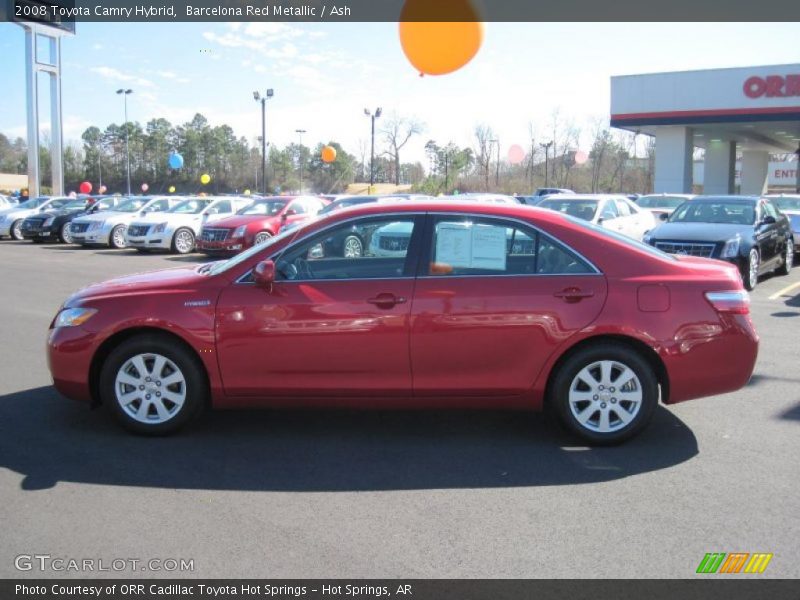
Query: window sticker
(468, 246)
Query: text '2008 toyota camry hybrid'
(481, 306)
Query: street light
(300, 133)
(546, 153)
(497, 172)
(372, 147)
(124, 94)
(263, 99)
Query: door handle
(573, 294)
(386, 300)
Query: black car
(748, 231)
(54, 225)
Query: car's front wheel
(183, 241)
(750, 274)
(16, 230)
(117, 237)
(262, 237)
(605, 393)
(66, 233)
(788, 258)
(352, 247)
(152, 385)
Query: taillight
(737, 302)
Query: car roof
(727, 198)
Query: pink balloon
(145, 187)
(581, 157)
(516, 154)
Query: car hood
(239, 220)
(107, 215)
(11, 215)
(171, 218)
(168, 280)
(62, 213)
(712, 232)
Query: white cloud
(166, 74)
(115, 75)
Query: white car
(613, 212)
(7, 202)
(662, 205)
(481, 197)
(177, 229)
(11, 218)
(108, 227)
(789, 204)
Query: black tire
(788, 258)
(749, 282)
(619, 355)
(112, 241)
(196, 386)
(15, 232)
(65, 234)
(178, 248)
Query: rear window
(628, 241)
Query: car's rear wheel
(352, 247)
(605, 393)
(16, 230)
(117, 237)
(66, 233)
(788, 259)
(262, 237)
(750, 274)
(153, 385)
(183, 241)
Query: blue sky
(324, 75)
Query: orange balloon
(328, 154)
(435, 46)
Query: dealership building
(739, 117)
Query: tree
(397, 131)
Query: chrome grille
(32, 224)
(687, 248)
(214, 235)
(79, 227)
(137, 230)
(394, 242)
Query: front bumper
(228, 246)
(40, 233)
(69, 356)
(91, 237)
(156, 241)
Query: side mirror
(663, 216)
(289, 213)
(264, 274)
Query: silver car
(11, 218)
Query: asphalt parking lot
(347, 494)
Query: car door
(626, 223)
(769, 233)
(330, 326)
(493, 299)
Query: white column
(755, 172)
(720, 168)
(673, 160)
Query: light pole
(300, 133)
(372, 145)
(546, 154)
(125, 94)
(263, 99)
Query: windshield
(32, 203)
(660, 201)
(74, 205)
(268, 208)
(787, 203)
(739, 213)
(580, 209)
(224, 265)
(190, 207)
(344, 203)
(628, 241)
(131, 205)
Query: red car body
(218, 238)
(448, 342)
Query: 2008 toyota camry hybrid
(482, 305)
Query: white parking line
(784, 291)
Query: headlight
(730, 249)
(72, 317)
(48, 221)
(160, 228)
(95, 225)
(239, 231)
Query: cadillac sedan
(580, 319)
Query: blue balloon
(175, 161)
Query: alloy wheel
(353, 247)
(16, 230)
(789, 255)
(150, 388)
(261, 237)
(752, 273)
(118, 237)
(605, 396)
(184, 241)
(66, 233)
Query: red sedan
(477, 305)
(257, 223)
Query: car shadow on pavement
(49, 439)
(193, 258)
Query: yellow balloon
(328, 154)
(247, 192)
(438, 47)
(205, 178)
(172, 189)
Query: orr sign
(772, 86)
